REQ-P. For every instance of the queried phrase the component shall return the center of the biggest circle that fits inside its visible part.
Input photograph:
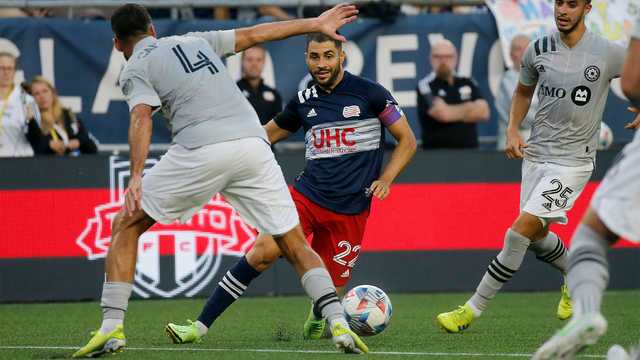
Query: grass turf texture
(516, 323)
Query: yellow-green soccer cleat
(456, 320)
(565, 310)
(314, 329)
(183, 334)
(100, 343)
(346, 340)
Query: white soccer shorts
(243, 171)
(617, 200)
(549, 191)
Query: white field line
(294, 351)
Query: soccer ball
(605, 138)
(367, 309)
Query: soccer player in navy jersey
(344, 118)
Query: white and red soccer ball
(367, 309)
(605, 138)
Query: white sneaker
(617, 352)
(579, 333)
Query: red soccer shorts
(335, 237)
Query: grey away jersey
(185, 76)
(573, 85)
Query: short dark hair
(320, 38)
(130, 20)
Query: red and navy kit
(344, 138)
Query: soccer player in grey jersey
(218, 147)
(614, 213)
(572, 69)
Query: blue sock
(229, 289)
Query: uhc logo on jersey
(340, 138)
(190, 253)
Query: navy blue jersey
(344, 138)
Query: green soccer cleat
(565, 310)
(579, 333)
(314, 329)
(348, 341)
(100, 343)
(456, 320)
(183, 334)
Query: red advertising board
(433, 216)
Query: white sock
(202, 328)
(476, 312)
(108, 325)
(500, 270)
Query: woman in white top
(16, 108)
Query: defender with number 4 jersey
(218, 146)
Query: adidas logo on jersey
(540, 68)
(345, 274)
(312, 113)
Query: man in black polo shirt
(449, 106)
(264, 99)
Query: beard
(443, 72)
(329, 82)
(571, 28)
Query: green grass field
(267, 328)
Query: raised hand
(333, 19)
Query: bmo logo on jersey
(342, 137)
(544, 90)
(175, 259)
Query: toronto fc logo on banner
(176, 259)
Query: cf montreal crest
(592, 73)
(175, 259)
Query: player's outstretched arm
(139, 139)
(275, 133)
(403, 153)
(520, 104)
(328, 23)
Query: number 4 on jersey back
(190, 67)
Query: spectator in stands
(18, 12)
(505, 92)
(449, 106)
(12, 12)
(60, 132)
(272, 12)
(264, 99)
(16, 108)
